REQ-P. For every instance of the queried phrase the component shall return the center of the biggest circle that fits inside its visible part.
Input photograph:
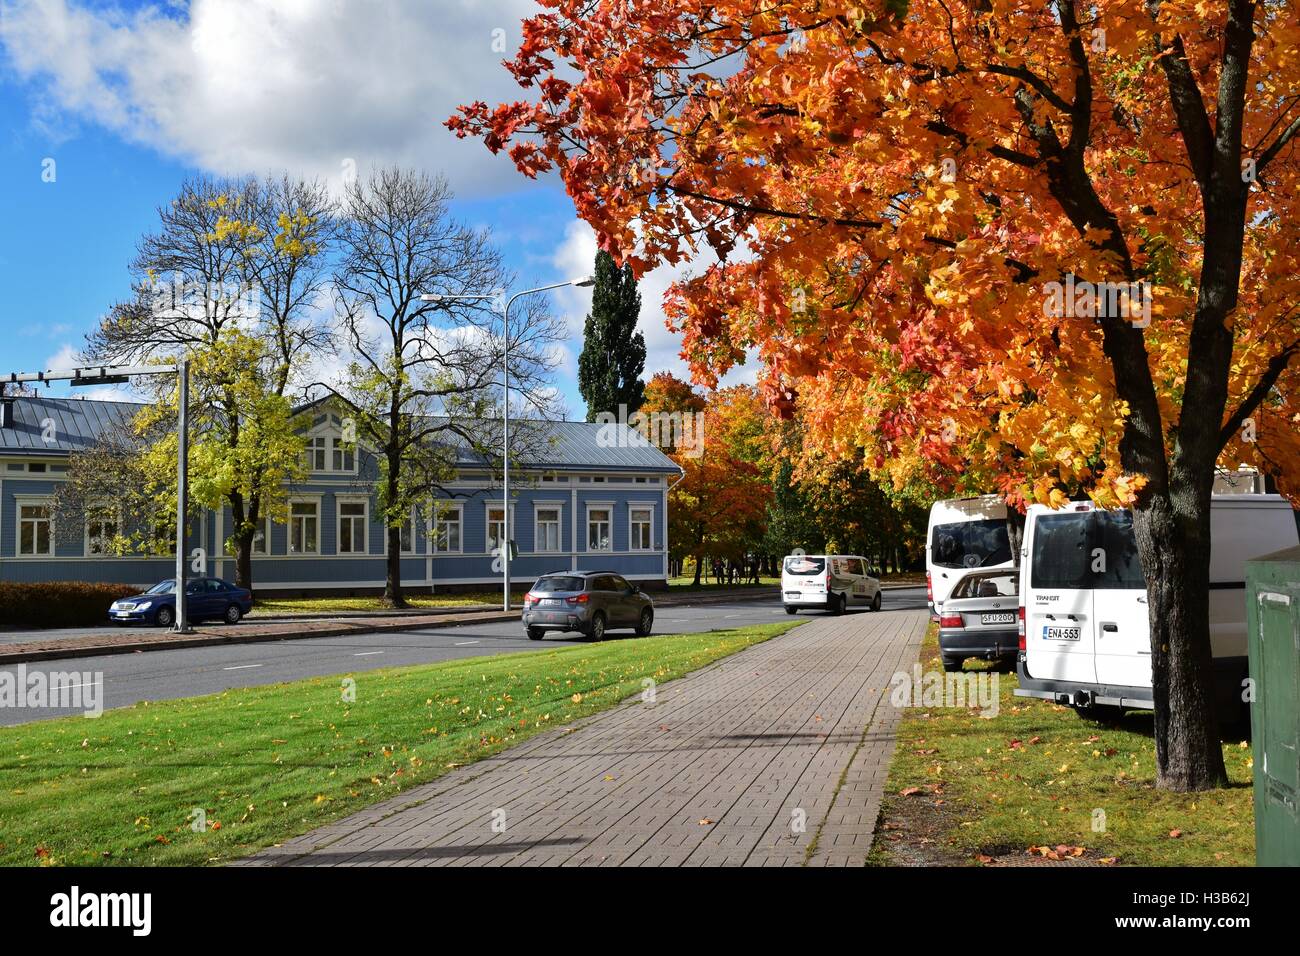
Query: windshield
(558, 584)
(162, 587)
(804, 566)
(970, 544)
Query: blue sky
(126, 99)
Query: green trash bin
(1273, 635)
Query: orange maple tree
(898, 190)
(719, 507)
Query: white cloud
(575, 256)
(237, 86)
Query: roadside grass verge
(1036, 774)
(325, 605)
(267, 763)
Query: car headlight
(144, 605)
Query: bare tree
(424, 375)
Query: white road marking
(367, 654)
(465, 643)
(240, 667)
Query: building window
(304, 527)
(262, 537)
(496, 531)
(640, 537)
(101, 529)
(352, 527)
(342, 456)
(316, 448)
(35, 530)
(598, 525)
(548, 529)
(407, 534)
(446, 529)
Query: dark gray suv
(590, 602)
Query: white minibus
(964, 534)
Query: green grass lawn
(1035, 774)
(267, 763)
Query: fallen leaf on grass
(1175, 833)
(909, 791)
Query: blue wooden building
(590, 500)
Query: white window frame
(339, 502)
(431, 541)
(100, 509)
(293, 519)
(488, 507)
(34, 501)
(312, 451)
(607, 506)
(632, 506)
(558, 508)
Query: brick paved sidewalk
(796, 729)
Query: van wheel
(875, 602)
(791, 610)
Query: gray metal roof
(77, 423)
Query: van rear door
(1119, 603)
(1060, 642)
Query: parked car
(589, 602)
(206, 599)
(964, 534)
(1085, 626)
(981, 619)
(829, 581)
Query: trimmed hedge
(58, 603)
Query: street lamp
(505, 406)
(116, 374)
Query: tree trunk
(244, 562)
(1174, 547)
(699, 565)
(393, 596)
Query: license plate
(1051, 633)
(123, 613)
(551, 602)
(1001, 618)
(792, 594)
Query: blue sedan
(206, 599)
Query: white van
(1085, 633)
(830, 581)
(964, 534)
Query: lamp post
(117, 374)
(504, 544)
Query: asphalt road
(119, 680)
